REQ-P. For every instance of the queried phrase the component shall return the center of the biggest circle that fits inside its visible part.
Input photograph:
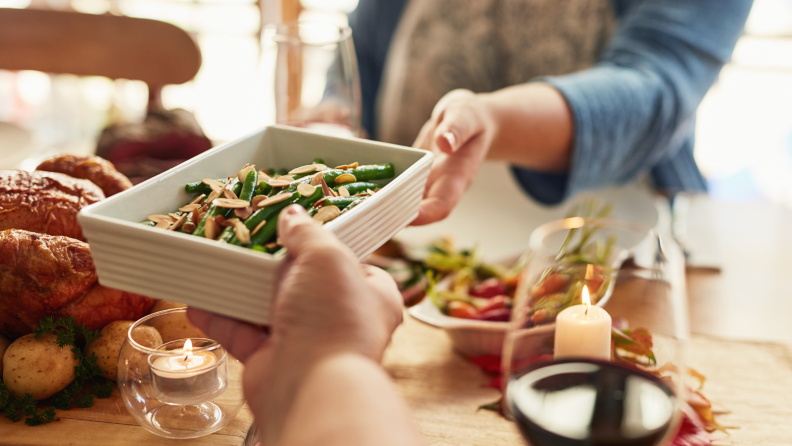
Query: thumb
(460, 124)
(301, 235)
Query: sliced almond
(271, 245)
(258, 199)
(317, 179)
(163, 224)
(320, 167)
(327, 213)
(228, 193)
(242, 175)
(230, 203)
(303, 169)
(278, 183)
(345, 178)
(241, 231)
(306, 190)
(202, 216)
(275, 199)
(263, 176)
(212, 196)
(158, 217)
(370, 192)
(343, 191)
(189, 227)
(213, 184)
(288, 178)
(178, 223)
(226, 223)
(319, 202)
(173, 216)
(190, 207)
(244, 213)
(258, 227)
(220, 220)
(341, 167)
(198, 199)
(326, 191)
(211, 229)
(353, 165)
(195, 216)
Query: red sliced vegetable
(498, 315)
(489, 288)
(495, 303)
(462, 310)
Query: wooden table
(749, 301)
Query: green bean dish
(243, 209)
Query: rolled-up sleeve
(636, 107)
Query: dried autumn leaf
(637, 342)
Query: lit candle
(583, 331)
(190, 364)
(187, 378)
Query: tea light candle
(190, 378)
(583, 331)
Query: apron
(482, 45)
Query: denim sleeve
(635, 109)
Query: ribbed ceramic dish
(230, 280)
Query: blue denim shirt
(634, 110)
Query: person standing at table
(574, 94)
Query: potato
(4, 343)
(108, 347)
(174, 326)
(37, 366)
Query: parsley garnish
(66, 333)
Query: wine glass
(313, 73)
(595, 350)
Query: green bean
(340, 202)
(199, 187)
(212, 212)
(270, 228)
(353, 204)
(245, 194)
(237, 190)
(361, 173)
(268, 213)
(359, 187)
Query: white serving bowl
(226, 279)
(476, 338)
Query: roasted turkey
(92, 168)
(44, 275)
(44, 202)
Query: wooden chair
(154, 52)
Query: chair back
(154, 52)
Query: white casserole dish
(231, 280)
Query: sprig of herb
(67, 333)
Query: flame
(586, 299)
(188, 346)
(589, 271)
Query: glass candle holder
(185, 388)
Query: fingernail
(452, 141)
(293, 209)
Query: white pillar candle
(583, 331)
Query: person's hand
(327, 303)
(459, 133)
